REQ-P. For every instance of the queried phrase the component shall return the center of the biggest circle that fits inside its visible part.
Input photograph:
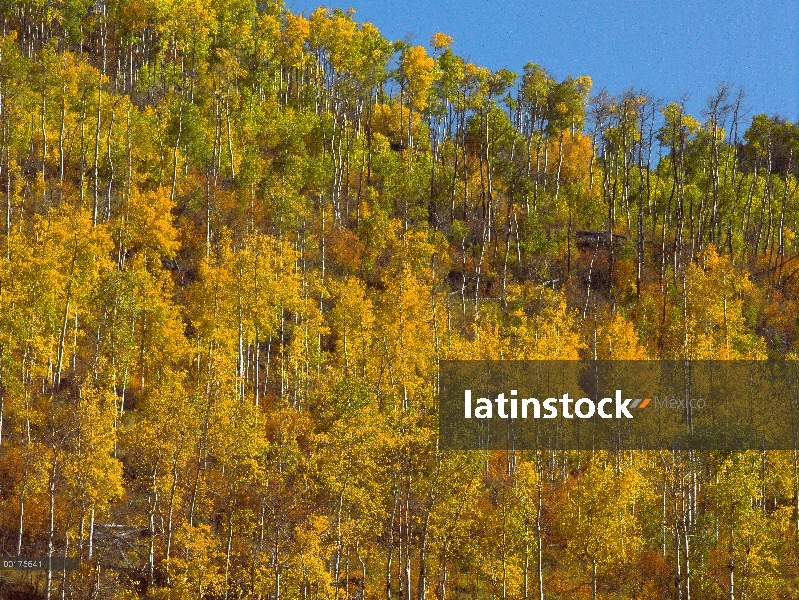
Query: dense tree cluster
(238, 240)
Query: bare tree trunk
(44, 136)
(539, 530)
(175, 151)
(91, 534)
(51, 527)
(62, 337)
(169, 514)
(153, 502)
(61, 143)
(390, 550)
(96, 168)
(421, 584)
(228, 547)
(230, 138)
(21, 515)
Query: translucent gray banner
(619, 405)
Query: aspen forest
(238, 240)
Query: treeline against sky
(236, 242)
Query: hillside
(237, 242)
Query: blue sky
(667, 48)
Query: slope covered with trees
(237, 241)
